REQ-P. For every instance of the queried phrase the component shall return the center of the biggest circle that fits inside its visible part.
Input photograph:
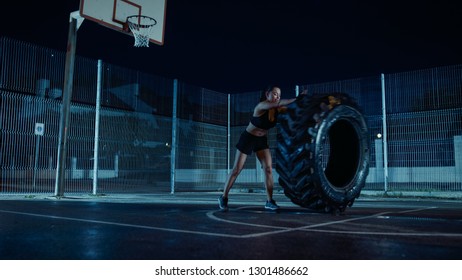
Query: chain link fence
(146, 144)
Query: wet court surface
(189, 226)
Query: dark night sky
(243, 45)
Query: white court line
(312, 228)
(118, 224)
(280, 229)
(409, 234)
(277, 230)
(287, 229)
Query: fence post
(228, 149)
(174, 144)
(458, 158)
(97, 119)
(384, 134)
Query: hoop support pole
(65, 109)
(76, 15)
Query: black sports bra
(263, 121)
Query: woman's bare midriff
(256, 131)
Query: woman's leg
(264, 156)
(237, 168)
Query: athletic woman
(254, 139)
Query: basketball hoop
(141, 27)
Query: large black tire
(322, 155)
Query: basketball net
(141, 27)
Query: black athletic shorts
(248, 143)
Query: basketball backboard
(114, 13)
